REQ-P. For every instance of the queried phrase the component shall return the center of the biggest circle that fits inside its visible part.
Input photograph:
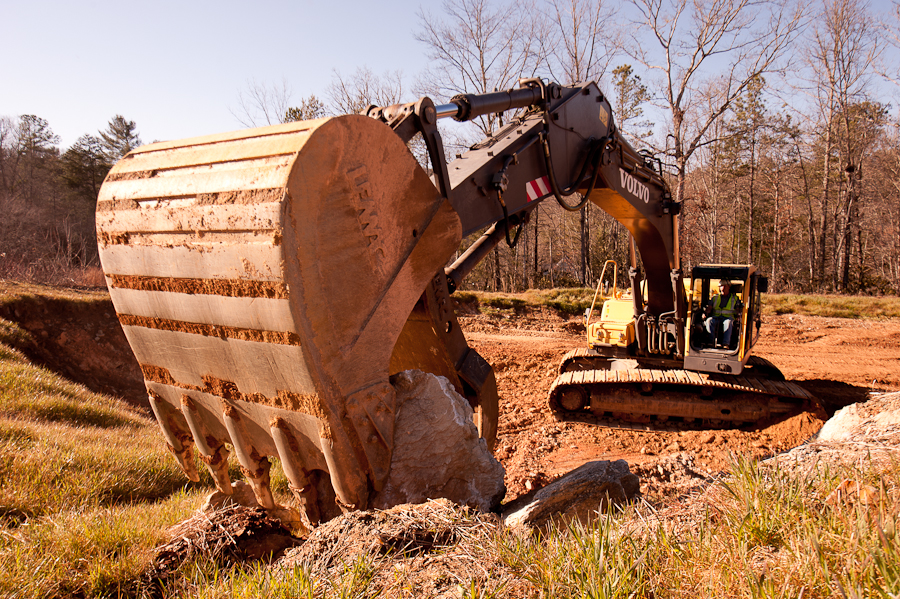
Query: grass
(761, 531)
(86, 485)
(574, 301)
(835, 306)
(87, 490)
(565, 301)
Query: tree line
(48, 197)
(772, 118)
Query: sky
(176, 68)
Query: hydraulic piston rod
(465, 107)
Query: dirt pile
(230, 534)
(426, 549)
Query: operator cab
(708, 347)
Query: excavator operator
(720, 314)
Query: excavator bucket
(263, 279)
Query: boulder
(580, 494)
(437, 450)
(857, 420)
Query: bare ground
(838, 360)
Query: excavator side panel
(262, 278)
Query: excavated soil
(838, 360)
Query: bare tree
(262, 104)
(841, 57)
(889, 27)
(354, 94)
(706, 53)
(580, 45)
(478, 47)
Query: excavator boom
(271, 281)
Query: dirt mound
(230, 534)
(428, 547)
(81, 339)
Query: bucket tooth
(254, 466)
(185, 459)
(300, 483)
(212, 451)
(217, 464)
(178, 440)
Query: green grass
(836, 306)
(565, 301)
(574, 301)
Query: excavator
(271, 281)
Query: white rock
(437, 450)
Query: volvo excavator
(270, 281)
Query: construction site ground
(838, 360)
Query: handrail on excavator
(616, 294)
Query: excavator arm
(270, 281)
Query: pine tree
(630, 95)
(310, 108)
(119, 138)
(85, 165)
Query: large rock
(580, 494)
(863, 420)
(437, 450)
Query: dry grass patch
(835, 306)
(86, 485)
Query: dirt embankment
(837, 360)
(82, 340)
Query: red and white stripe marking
(537, 188)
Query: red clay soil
(837, 360)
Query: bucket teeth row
(214, 453)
